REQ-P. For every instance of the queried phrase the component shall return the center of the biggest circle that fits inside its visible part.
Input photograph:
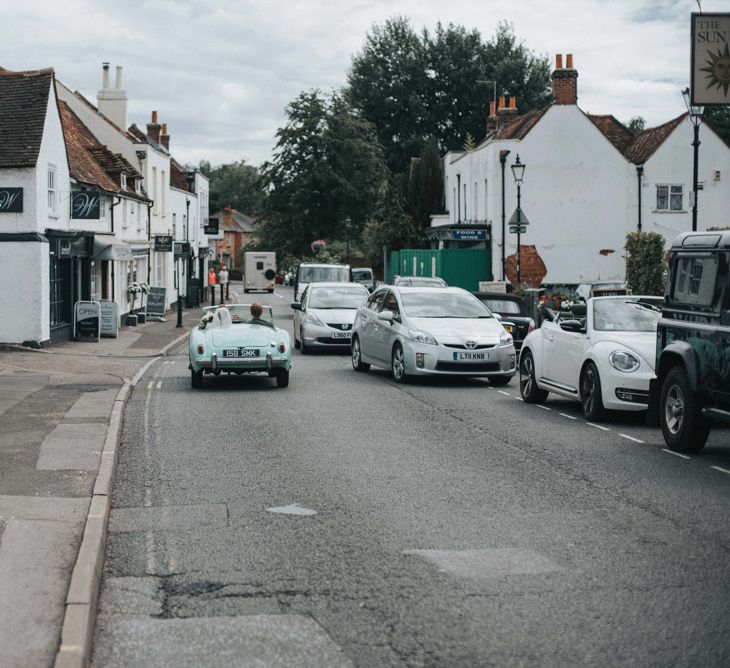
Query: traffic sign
(514, 228)
(521, 218)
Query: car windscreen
(362, 275)
(323, 274)
(443, 305)
(416, 282)
(624, 315)
(501, 305)
(337, 297)
(241, 314)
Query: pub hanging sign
(86, 205)
(11, 200)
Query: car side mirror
(572, 326)
(497, 316)
(388, 316)
(297, 306)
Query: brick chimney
(153, 129)
(492, 118)
(506, 113)
(165, 137)
(565, 81)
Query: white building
(42, 258)
(581, 190)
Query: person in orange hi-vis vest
(212, 281)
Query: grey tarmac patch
(274, 641)
(490, 563)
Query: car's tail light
(282, 348)
(531, 326)
(201, 349)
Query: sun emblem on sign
(718, 69)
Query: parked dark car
(511, 309)
(692, 385)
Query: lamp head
(518, 170)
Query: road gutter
(79, 620)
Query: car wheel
(529, 390)
(306, 350)
(398, 364)
(683, 427)
(499, 381)
(297, 344)
(196, 378)
(357, 362)
(590, 393)
(282, 378)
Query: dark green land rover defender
(692, 387)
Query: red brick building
(236, 230)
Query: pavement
(61, 414)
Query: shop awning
(108, 247)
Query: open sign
(87, 321)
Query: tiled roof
(137, 133)
(23, 104)
(518, 127)
(80, 144)
(648, 141)
(233, 219)
(177, 175)
(80, 97)
(616, 132)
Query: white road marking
(545, 408)
(519, 398)
(719, 468)
(292, 509)
(278, 295)
(598, 426)
(676, 454)
(506, 394)
(631, 438)
(570, 417)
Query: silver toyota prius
(429, 331)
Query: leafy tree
(469, 143)
(645, 263)
(327, 167)
(424, 186)
(636, 125)
(718, 118)
(411, 86)
(236, 185)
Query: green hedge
(645, 263)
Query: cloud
(221, 73)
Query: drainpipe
(149, 237)
(111, 209)
(639, 175)
(502, 160)
(458, 199)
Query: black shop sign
(163, 243)
(11, 200)
(211, 227)
(86, 205)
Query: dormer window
(123, 181)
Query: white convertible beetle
(601, 353)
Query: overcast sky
(220, 72)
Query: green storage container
(459, 267)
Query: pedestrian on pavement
(223, 280)
(211, 282)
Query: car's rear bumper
(267, 363)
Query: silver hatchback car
(323, 319)
(431, 331)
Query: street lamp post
(348, 222)
(695, 117)
(518, 172)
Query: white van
(364, 275)
(259, 270)
(319, 273)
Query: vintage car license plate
(470, 357)
(241, 352)
(340, 335)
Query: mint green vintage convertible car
(229, 339)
